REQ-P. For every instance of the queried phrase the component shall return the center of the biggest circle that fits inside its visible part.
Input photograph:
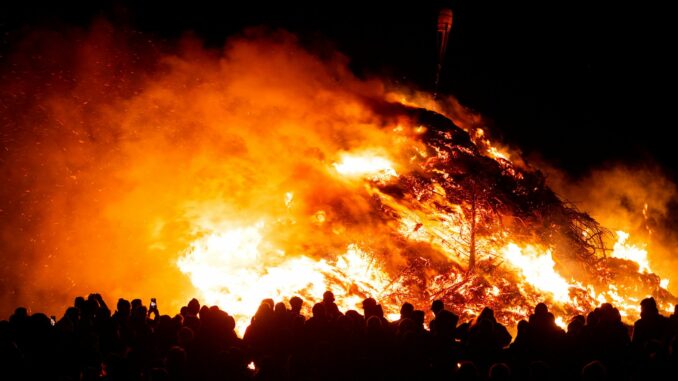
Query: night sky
(578, 85)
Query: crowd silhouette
(90, 342)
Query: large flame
(234, 268)
(537, 269)
(376, 167)
(632, 253)
(265, 171)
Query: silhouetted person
(79, 302)
(437, 306)
(545, 338)
(419, 317)
(594, 371)
(444, 351)
(295, 305)
(317, 328)
(270, 303)
(486, 339)
(444, 324)
(185, 338)
(201, 344)
(673, 321)
(12, 361)
(296, 322)
(280, 309)
(193, 307)
(467, 371)
(123, 309)
(651, 325)
(331, 310)
(379, 312)
(405, 313)
(369, 308)
(136, 303)
(609, 340)
(176, 364)
(521, 345)
(500, 372)
(377, 345)
(259, 334)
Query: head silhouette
(437, 306)
(318, 311)
(295, 303)
(124, 307)
(193, 307)
(594, 371)
(280, 308)
(500, 372)
(328, 297)
(270, 302)
(369, 307)
(419, 316)
(648, 307)
(541, 309)
(406, 310)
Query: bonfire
(265, 171)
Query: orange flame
(376, 167)
(632, 253)
(537, 269)
(235, 268)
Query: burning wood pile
(474, 209)
(473, 229)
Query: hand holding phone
(153, 309)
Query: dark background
(579, 83)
